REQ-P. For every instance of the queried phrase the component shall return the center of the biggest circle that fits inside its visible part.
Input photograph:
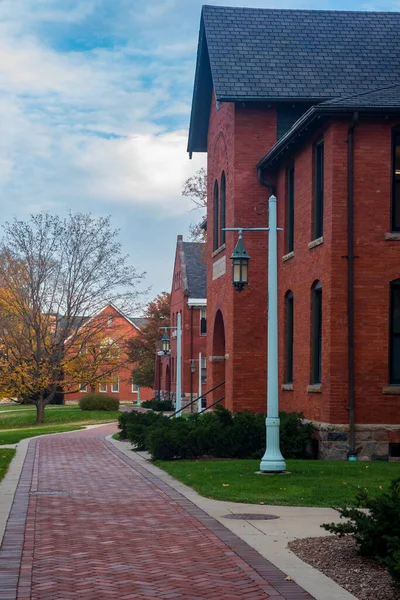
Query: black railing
(211, 405)
(200, 398)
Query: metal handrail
(199, 398)
(211, 405)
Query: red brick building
(188, 297)
(305, 105)
(115, 327)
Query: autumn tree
(56, 274)
(195, 188)
(142, 348)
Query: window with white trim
(135, 388)
(82, 387)
(203, 370)
(203, 321)
(103, 388)
(115, 386)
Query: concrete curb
(268, 538)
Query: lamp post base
(272, 461)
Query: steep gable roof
(387, 97)
(196, 269)
(253, 54)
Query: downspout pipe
(352, 453)
(264, 181)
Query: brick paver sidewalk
(91, 524)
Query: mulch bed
(337, 558)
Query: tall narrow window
(223, 207)
(396, 182)
(203, 321)
(290, 210)
(289, 337)
(394, 343)
(216, 217)
(115, 386)
(318, 228)
(316, 333)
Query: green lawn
(311, 483)
(18, 423)
(55, 415)
(6, 456)
(13, 436)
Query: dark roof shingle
(388, 97)
(196, 269)
(272, 53)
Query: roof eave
(314, 115)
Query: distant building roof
(138, 321)
(194, 268)
(271, 54)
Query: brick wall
(120, 330)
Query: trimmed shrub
(158, 405)
(220, 434)
(295, 436)
(98, 402)
(377, 531)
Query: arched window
(394, 342)
(223, 207)
(216, 217)
(316, 333)
(289, 337)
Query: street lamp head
(240, 265)
(165, 342)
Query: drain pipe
(352, 453)
(264, 181)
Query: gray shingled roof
(269, 53)
(138, 321)
(388, 97)
(254, 54)
(196, 269)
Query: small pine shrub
(377, 530)
(136, 427)
(98, 402)
(158, 405)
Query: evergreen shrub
(158, 405)
(377, 529)
(98, 402)
(219, 434)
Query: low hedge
(98, 402)
(219, 434)
(158, 405)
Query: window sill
(393, 390)
(316, 242)
(314, 389)
(287, 387)
(218, 250)
(394, 236)
(287, 256)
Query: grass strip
(6, 456)
(311, 482)
(16, 435)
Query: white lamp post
(166, 350)
(272, 461)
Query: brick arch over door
(218, 356)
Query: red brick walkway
(91, 524)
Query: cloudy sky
(94, 110)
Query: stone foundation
(372, 441)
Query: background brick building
(188, 297)
(114, 325)
(319, 100)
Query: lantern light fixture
(165, 342)
(240, 264)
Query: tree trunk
(40, 411)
